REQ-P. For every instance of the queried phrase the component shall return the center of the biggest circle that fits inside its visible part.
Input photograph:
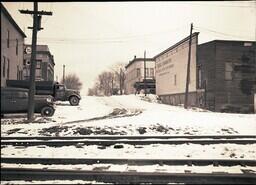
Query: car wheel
(47, 111)
(73, 100)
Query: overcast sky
(89, 37)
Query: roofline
(226, 41)
(139, 59)
(9, 17)
(175, 45)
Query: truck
(58, 91)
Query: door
(21, 102)
(60, 92)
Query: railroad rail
(126, 177)
(137, 162)
(116, 137)
(134, 140)
(131, 142)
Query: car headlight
(49, 100)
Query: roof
(12, 21)
(230, 41)
(139, 59)
(175, 45)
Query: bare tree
(119, 75)
(72, 81)
(106, 80)
(94, 91)
(109, 82)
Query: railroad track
(10, 173)
(126, 177)
(137, 162)
(132, 140)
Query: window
(17, 46)
(4, 67)
(22, 95)
(228, 71)
(246, 44)
(151, 72)
(38, 64)
(175, 79)
(21, 78)
(18, 73)
(8, 38)
(138, 72)
(199, 71)
(8, 68)
(147, 72)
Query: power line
(108, 39)
(221, 5)
(221, 33)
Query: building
(44, 66)
(171, 72)
(222, 74)
(134, 75)
(227, 73)
(12, 47)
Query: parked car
(15, 100)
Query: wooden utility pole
(63, 74)
(120, 78)
(145, 73)
(188, 68)
(36, 27)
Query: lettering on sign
(163, 67)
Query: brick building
(134, 75)
(227, 71)
(12, 47)
(45, 63)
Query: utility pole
(188, 68)
(145, 73)
(120, 78)
(63, 74)
(37, 15)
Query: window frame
(8, 68)
(17, 47)
(4, 64)
(8, 38)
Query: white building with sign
(171, 72)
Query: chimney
(134, 56)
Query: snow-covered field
(132, 115)
(129, 115)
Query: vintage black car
(15, 100)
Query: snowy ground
(132, 115)
(128, 115)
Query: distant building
(222, 74)
(44, 66)
(12, 47)
(134, 77)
